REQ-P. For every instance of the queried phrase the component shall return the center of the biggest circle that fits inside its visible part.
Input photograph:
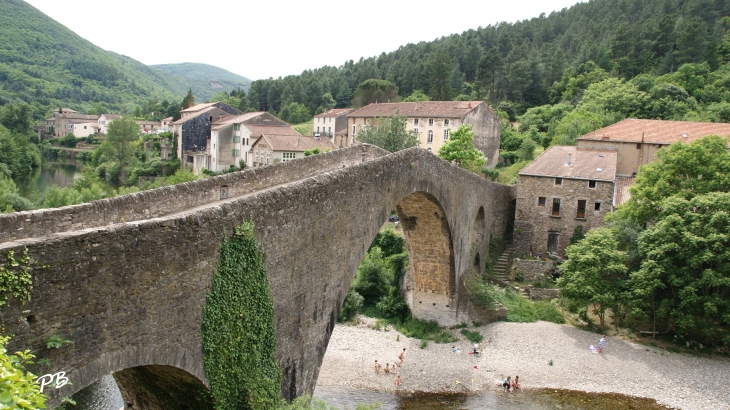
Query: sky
(262, 39)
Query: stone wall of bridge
(131, 294)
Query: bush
(352, 305)
(474, 337)
(490, 173)
(425, 330)
(67, 140)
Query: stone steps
(500, 274)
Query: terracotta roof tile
(587, 163)
(113, 116)
(657, 131)
(335, 112)
(259, 130)
(423, 109)
(622, 193)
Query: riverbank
(544, 355)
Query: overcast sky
(262, 39)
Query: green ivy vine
(239, 344)
(15, 278)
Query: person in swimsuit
(377, 367)
(516, 384)
(401, 357)
(397, 382)
(387, 368)
(506, 383)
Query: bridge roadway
(125, 278)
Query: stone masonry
(532, 269)
(125, 278)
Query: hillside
(205, 80)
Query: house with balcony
(332, 124)
(434, 121)
(563, 188)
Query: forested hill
(521, 62)
(205, 80)
(47, 65)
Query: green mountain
(47, 65)
(205, 80)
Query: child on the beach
(377, 367)
(516, 384)
(506, 383)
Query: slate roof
(292, 143)
(198, 107)
(193, 115)
(334, 112)
(622, 193)
(229, 120)
(657, 131)
(587, 163)
(421, 109)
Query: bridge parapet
(162, 201)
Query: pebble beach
(544, 355)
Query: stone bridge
(125, 278)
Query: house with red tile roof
(565, 187)
(331, 122)
(637, 141)
(434, 121)
(271, 148)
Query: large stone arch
(431, 278)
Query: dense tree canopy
(389, 133)
(460, 150)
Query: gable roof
(292, 143)
(259, 130)
(657, 131)
(421, 109)
(229, 120)
(335, 112)
(587, 163)
(193, 115)
(198, 107)
(110, 116)
(622, 192)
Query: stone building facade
(434, 121)
(193, 131)
(329, 123)
(565, 187)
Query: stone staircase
(501, 269)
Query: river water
(61, 173)
(104, 395)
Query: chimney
(570, 160)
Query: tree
(440, 68)
(17, 118)
(417, 95)
(389, 133)
(591, 275)
(616, 95)
(685, 270)
(576, 123)
(459, 149)
(18, 388)
(685, 170)
(122, 133)
(527, 149)
(188, 101)
(374, 90)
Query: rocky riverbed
(544, 355)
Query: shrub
(352, 305)
(474, 337)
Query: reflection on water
(50, 173)
(102, 395)
(539, 399)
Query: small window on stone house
(581, 212)
(211, 118)
(558, 181)
(591, 184)
(430, 122)
(597, 206)
(446, 123)
(638, 146)
(555, 211)
(415, 121)
(541, 201)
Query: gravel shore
(544, 355)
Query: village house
(332, 124)
(563, 188)
(272, 148)
(193, 130)
(147, 127)
(434, 121)
(637, 141)
(165, 124)
(83, 128)
(104, 120)
(231, 138)
(63, 121)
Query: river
(61, 173)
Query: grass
(425, 330)
(509, 174)
(474, 337)
(304, 128)
(520, 309)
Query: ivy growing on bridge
(239, 343)
(15, 278)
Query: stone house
(637, 141)
(147, 127)
(63, 121)
(273, 148)
(563, 188)
(83, 128)
(193, 131)
(165, 124)
(331, 123)
(231, 138)
(104, 120)
(434, 121)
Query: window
(541, 201)
(556, 207)
(236, 127)
(581, 212)
(354, 130)
(638, 146)
(597, 206)
(446, 123)
(236, 138)
(415, 121)
(446, 134)
(329, 130)
(268, 158)
(430, 137)
(210, 118)
(591, 184)
(553, 240)
(430, 122)
(288, 156)
(362, 128)
(317, 130)
(236, 153)
(558, 181)
(415, 131)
